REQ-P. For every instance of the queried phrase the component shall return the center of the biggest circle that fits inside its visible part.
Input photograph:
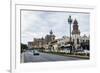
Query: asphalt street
(44, 57)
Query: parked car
(35, 52)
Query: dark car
(35, 52)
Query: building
(59, 45)
(38, 42)
(50, 37)
(30, 45)
(49, 43)
(85, 42)
(43, 42)
(75, 35)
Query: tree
(23, 47)
(85, 45)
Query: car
(35, 52)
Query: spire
(75, 22)
(51, 32)
(75, 27)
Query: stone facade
(43, 42)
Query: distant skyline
(37, 24)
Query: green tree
(23, 47)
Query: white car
(86, 51)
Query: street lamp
(70, 22)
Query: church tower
(52, 37)
(75, 28)
(76, 35)
(51, 32)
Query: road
(44, 57)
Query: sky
(37, 24)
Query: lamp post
(70, 22)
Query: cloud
(36, 24)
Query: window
(77, 41)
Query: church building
(76, 35)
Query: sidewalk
(69, 55)
(78, 56)
(22, 58)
